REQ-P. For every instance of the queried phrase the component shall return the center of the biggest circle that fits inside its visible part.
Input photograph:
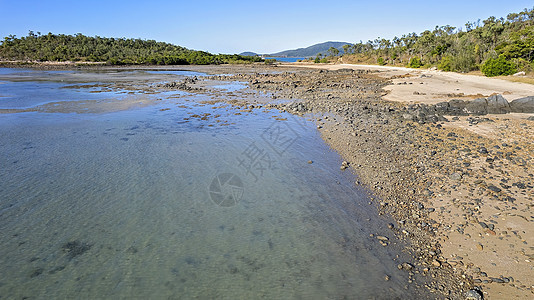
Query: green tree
(333, 51)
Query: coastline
(460, 191)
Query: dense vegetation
(116, 51)
(495, 46)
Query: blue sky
(237, 26)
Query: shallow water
(171, 200)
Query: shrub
(415, 62)
(381, 61)
(498, 66)
(445, 63)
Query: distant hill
(311, 51)
(114, 51)
(248, 53)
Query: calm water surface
(176, 200)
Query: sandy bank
(433, 86)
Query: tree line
(496, 46)
(114, 51)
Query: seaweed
(75, 248)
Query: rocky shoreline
(444, 185)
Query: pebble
(456, 176)
(494, 188)
(473, 295)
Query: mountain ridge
(310, 51)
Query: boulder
(523, 105)
(457, 107)
(498, 105)
(477, 107)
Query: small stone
(491, 231)
(480, 247)
(456, 176)
(473, 295)
(387, 278)
(407, 266)
(497, 280)
(494, 188)
(310, 162)
(382, 238)
(436, 263)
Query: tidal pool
(179, 200)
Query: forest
(495, 46)
(114, 51)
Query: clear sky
(237, 26)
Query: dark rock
(473, 294)
(494, 188)
(496, 280)
(498, 105)
(519, 185)
(523, 105)
(457, 107)
(477, 107)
